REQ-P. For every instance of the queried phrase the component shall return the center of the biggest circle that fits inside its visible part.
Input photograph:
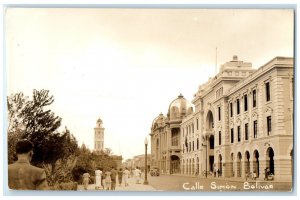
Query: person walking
(113, 178)
(137, 173)
(108, 180)
(126, 173)
(120, 176)
(21, 174)
(98, 176)
(86, 179)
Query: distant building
(137, 161)
(99, 136)
(129, 163)
(242, 124)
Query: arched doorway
(270, 160)
(220, 165)
(211, 152)
(209, 138)
(175, 164)
(239, 164)
(247, 163)
(209, 121)
(256, 163)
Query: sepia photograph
(149, 99)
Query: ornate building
(99, 136)
(165, 136)
(243, 123)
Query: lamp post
(146, 168)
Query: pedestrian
(21, 174)
(86, 179)
(120, 176)
(126, 173)
(113, 178)
(98, 177)
(137, 173)
(108, 180)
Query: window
(193, 146)
(269, 125)
(211, 142)
(219, 113)
(255, 129)
(238, 106)
(231, 135)
(175, 138)
(246, 131)
(254, 98)
(193, 128)
(245, 102)
(220, 137)
(268, 97)
(197, 143)
(197, 124)
(231, 112)
(183, 148)
(239, 133)
(190, 146)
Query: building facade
(137, 161)
(166, 136)
(242, 124)
(99, 136)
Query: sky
(127, 65)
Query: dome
(179, 108)
(99, 123)
(159, 121)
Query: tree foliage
(32, 119)
(90, 161)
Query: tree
(38, 123)
(15, 130)
(90, 161)
(33, 120)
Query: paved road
(184, 183)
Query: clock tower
(99, 136)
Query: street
(195, 184)
(187, 183)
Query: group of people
(107, 179)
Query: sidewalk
(132, 186)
